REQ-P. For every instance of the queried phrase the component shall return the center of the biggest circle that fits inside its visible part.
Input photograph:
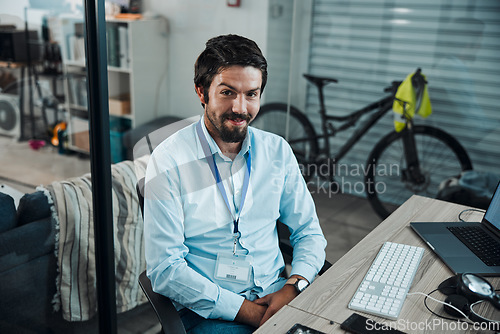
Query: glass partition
(367, 46)
(35, 153)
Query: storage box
(81, 140)
(117, 148)
(119, 105)
(117, 127)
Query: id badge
(233, 267)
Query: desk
(323, 305)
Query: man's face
(233, 102)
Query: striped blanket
(75, 251)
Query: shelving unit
(136, 66)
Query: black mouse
(460, 302)
(449, 286)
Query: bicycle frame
(382, 106)
(328, 130)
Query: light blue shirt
(187, 222)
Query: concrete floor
(345, 219)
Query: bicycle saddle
(319, 81)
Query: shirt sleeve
(298, 212)
(165, 251)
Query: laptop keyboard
(479, 242)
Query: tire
(440, 157)
(301, 135)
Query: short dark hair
(225, 51)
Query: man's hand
(275, 301)
(250, 313)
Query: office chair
(170, 320)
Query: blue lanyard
(218, 179)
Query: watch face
(302, 284)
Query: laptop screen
(493, 213)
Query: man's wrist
(299, 283)
(250, 313)
(290, 289)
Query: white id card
(233, 267)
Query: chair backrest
(170, 320)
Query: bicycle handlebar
(393, 87)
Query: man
(212, 247)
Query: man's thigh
(195, 324)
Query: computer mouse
(449, 286)
(460, 302)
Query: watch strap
(292, 280)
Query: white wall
(289, 27)
(13, 12)
(191, 24)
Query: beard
(228, 135)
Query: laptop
(472, 247)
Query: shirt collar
(214, 148)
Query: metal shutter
(368, 44)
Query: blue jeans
(195, 324)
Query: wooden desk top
(327, 298)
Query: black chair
(170, 320)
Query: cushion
(7, 213)
(32, 207)
(25, 243)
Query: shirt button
(258, 282)
(242, 242)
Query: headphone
(464, 291)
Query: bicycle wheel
(301, 135)
(440, 157)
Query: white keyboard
(384, 288)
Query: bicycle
(425, 155)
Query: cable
(441, 302)
(470, 322)
(472, 310)
(460, 214)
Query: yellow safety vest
(406, 98)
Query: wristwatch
(299, 284)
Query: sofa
(29, 267)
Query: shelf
(130, 117)
(81, 66)
(77, 149)
(74, 63)
(79, 112)
(141, 72)
(119, 69)
(122, 20)
(77, 107)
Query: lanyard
(220, 185)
